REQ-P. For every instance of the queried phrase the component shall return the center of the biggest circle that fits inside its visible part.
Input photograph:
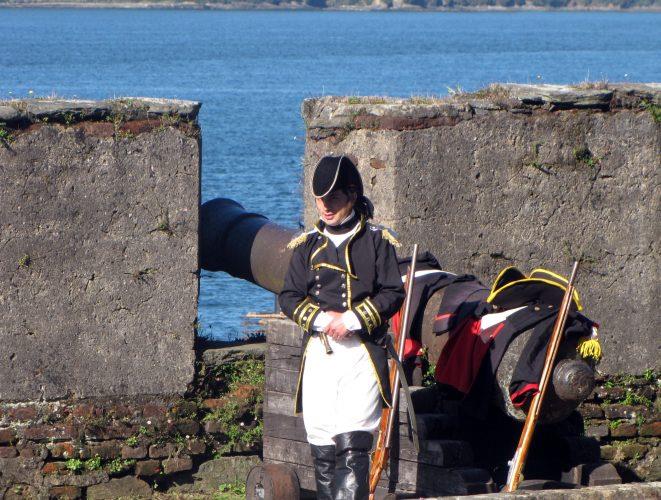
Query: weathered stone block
(591, 411)
(65, 492)
(107, 450)
(8, 452)
(187, 427)
(597, 431)
(62, 450)
(7, 436)
(625, 430)
(628, 451)
(51, 432)
(135, 452)
(162, 450)
(623, 411)
(652, 429)
(22, 413)
(148, 468)
(213, 427)
(98, 248)
(213, 473)
(178, 464)
(124, 487)
(196, 446)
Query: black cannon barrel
(244, 244)
(249, 246)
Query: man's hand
(336, 328)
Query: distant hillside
(355, 4)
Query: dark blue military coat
(360, 275)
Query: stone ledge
(385, 113)
(22, 112)
(631, 491)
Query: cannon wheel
(272, 482)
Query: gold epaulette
(387, 235)
(297, 241)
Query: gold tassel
(387, 235)
(589, 348)
(299, 240)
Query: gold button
(344, 304)
(317, 277)
(317, 292)
(536, 308)
(344, 295)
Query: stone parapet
(98, 247)
(524, 175)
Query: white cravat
(348, 317)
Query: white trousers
(340, 390)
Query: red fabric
(520, 397)
(442, 316)
(462, 356)
(411, 347)
(396, 320)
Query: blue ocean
(252, 69)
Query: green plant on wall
(24, 261)
(653, 109)
(5, 135)
(585, 156)
(239, 411)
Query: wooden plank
(307, 481)
(283, 332)
(283, 357)
(280, 380)
(278, 403)
(420, 475)
(284, 427)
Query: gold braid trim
(364, 311)
(377, 316)
(388, 236)
(297, 241)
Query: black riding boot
(352, 465)
(324, 470)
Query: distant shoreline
(300, 7)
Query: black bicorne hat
(335, 172)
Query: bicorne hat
(335, 172)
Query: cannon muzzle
(243, 244)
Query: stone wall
(624, 415)
(134, 446)
(520, 175)
(98, 247)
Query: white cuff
(351, 321)
(321, 321)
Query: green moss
(93, 463)
(24, 261)
(74, 464)
(633, 399)
(6, 136)
(614, 424)
(132, 441)
(585, 156)
(118, 465)
(230, 491)
(653, 109)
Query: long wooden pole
(382, 450)
(519, 460)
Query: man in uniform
(343, 281)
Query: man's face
(335, 206)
